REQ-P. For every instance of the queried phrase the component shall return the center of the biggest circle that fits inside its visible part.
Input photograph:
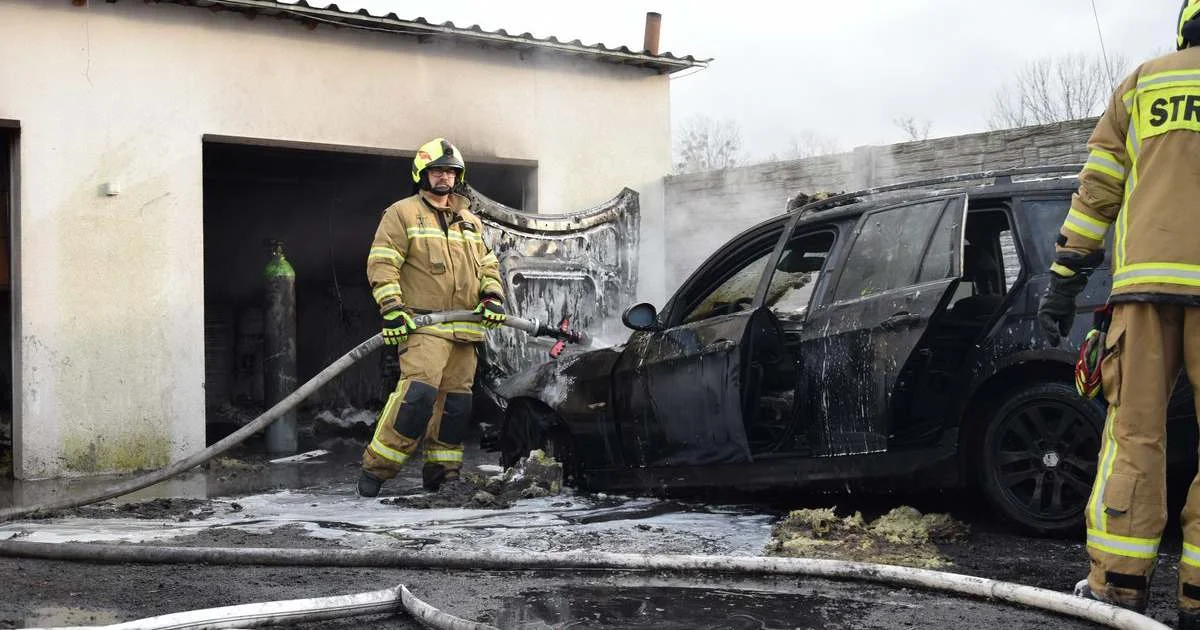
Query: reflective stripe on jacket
(417, 263)
(1142, 180)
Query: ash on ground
(534, 476)
(167, 509)
(903, 536)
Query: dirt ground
(58, 593)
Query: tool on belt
(1088, 380)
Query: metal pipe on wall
(279, 347)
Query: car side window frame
(796, 232)
(679, 306)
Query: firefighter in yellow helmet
(429, 255)
(1142, 183)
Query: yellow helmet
(437, 152)
(1187, 31)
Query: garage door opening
(8, 187)
(323, 205)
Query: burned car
(877, 339)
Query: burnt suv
(879, 339)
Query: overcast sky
(845, 69)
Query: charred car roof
(986, 183)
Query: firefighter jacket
(1142, 180)
(429, 259)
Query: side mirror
(643, 317)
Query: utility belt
(1088, 379)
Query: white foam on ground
(544, 524)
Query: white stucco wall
(110, 358)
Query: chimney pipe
(653, 25)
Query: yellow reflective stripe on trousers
(1157, 273)
(1085, 226)
(444, 456)
(386, 253)
(1096, 517)
(1106, 163)
(1123, 545)
(1191, 555)
(377, 445)
(387, 290)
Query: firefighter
(429, 255)
(1142, 183)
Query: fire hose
(972, 586)
(563, 333)
(267, 613)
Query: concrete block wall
(704, 210)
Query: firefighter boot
(1188, 620)
(368, 486)
(433, 475)
(1135, 600)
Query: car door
(678, 391)
(900, 266)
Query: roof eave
(302, 11)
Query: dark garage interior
(324, 205)
(8, 145)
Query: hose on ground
(531, 326)
(294, 611)
(230, 441)
(1043, 599)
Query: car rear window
(1045, 218)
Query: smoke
(705, 210)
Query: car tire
(531, 425)
(1037, 456)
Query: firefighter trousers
(432, 399)
(1146, 346)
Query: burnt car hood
(581, 266)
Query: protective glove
(492, 311)
(1056, 309)
(397, 324)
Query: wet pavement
(245, 501)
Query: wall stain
(139, 449)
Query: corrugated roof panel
(420, 27)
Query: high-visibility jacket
(1142, 179)
(430, 258)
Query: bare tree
(913, 129)
(704, 144)
(1056, 89)
(808, 143)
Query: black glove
(397, 323)
(1056, 309)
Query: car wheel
(531, 425)
(1038, 457)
